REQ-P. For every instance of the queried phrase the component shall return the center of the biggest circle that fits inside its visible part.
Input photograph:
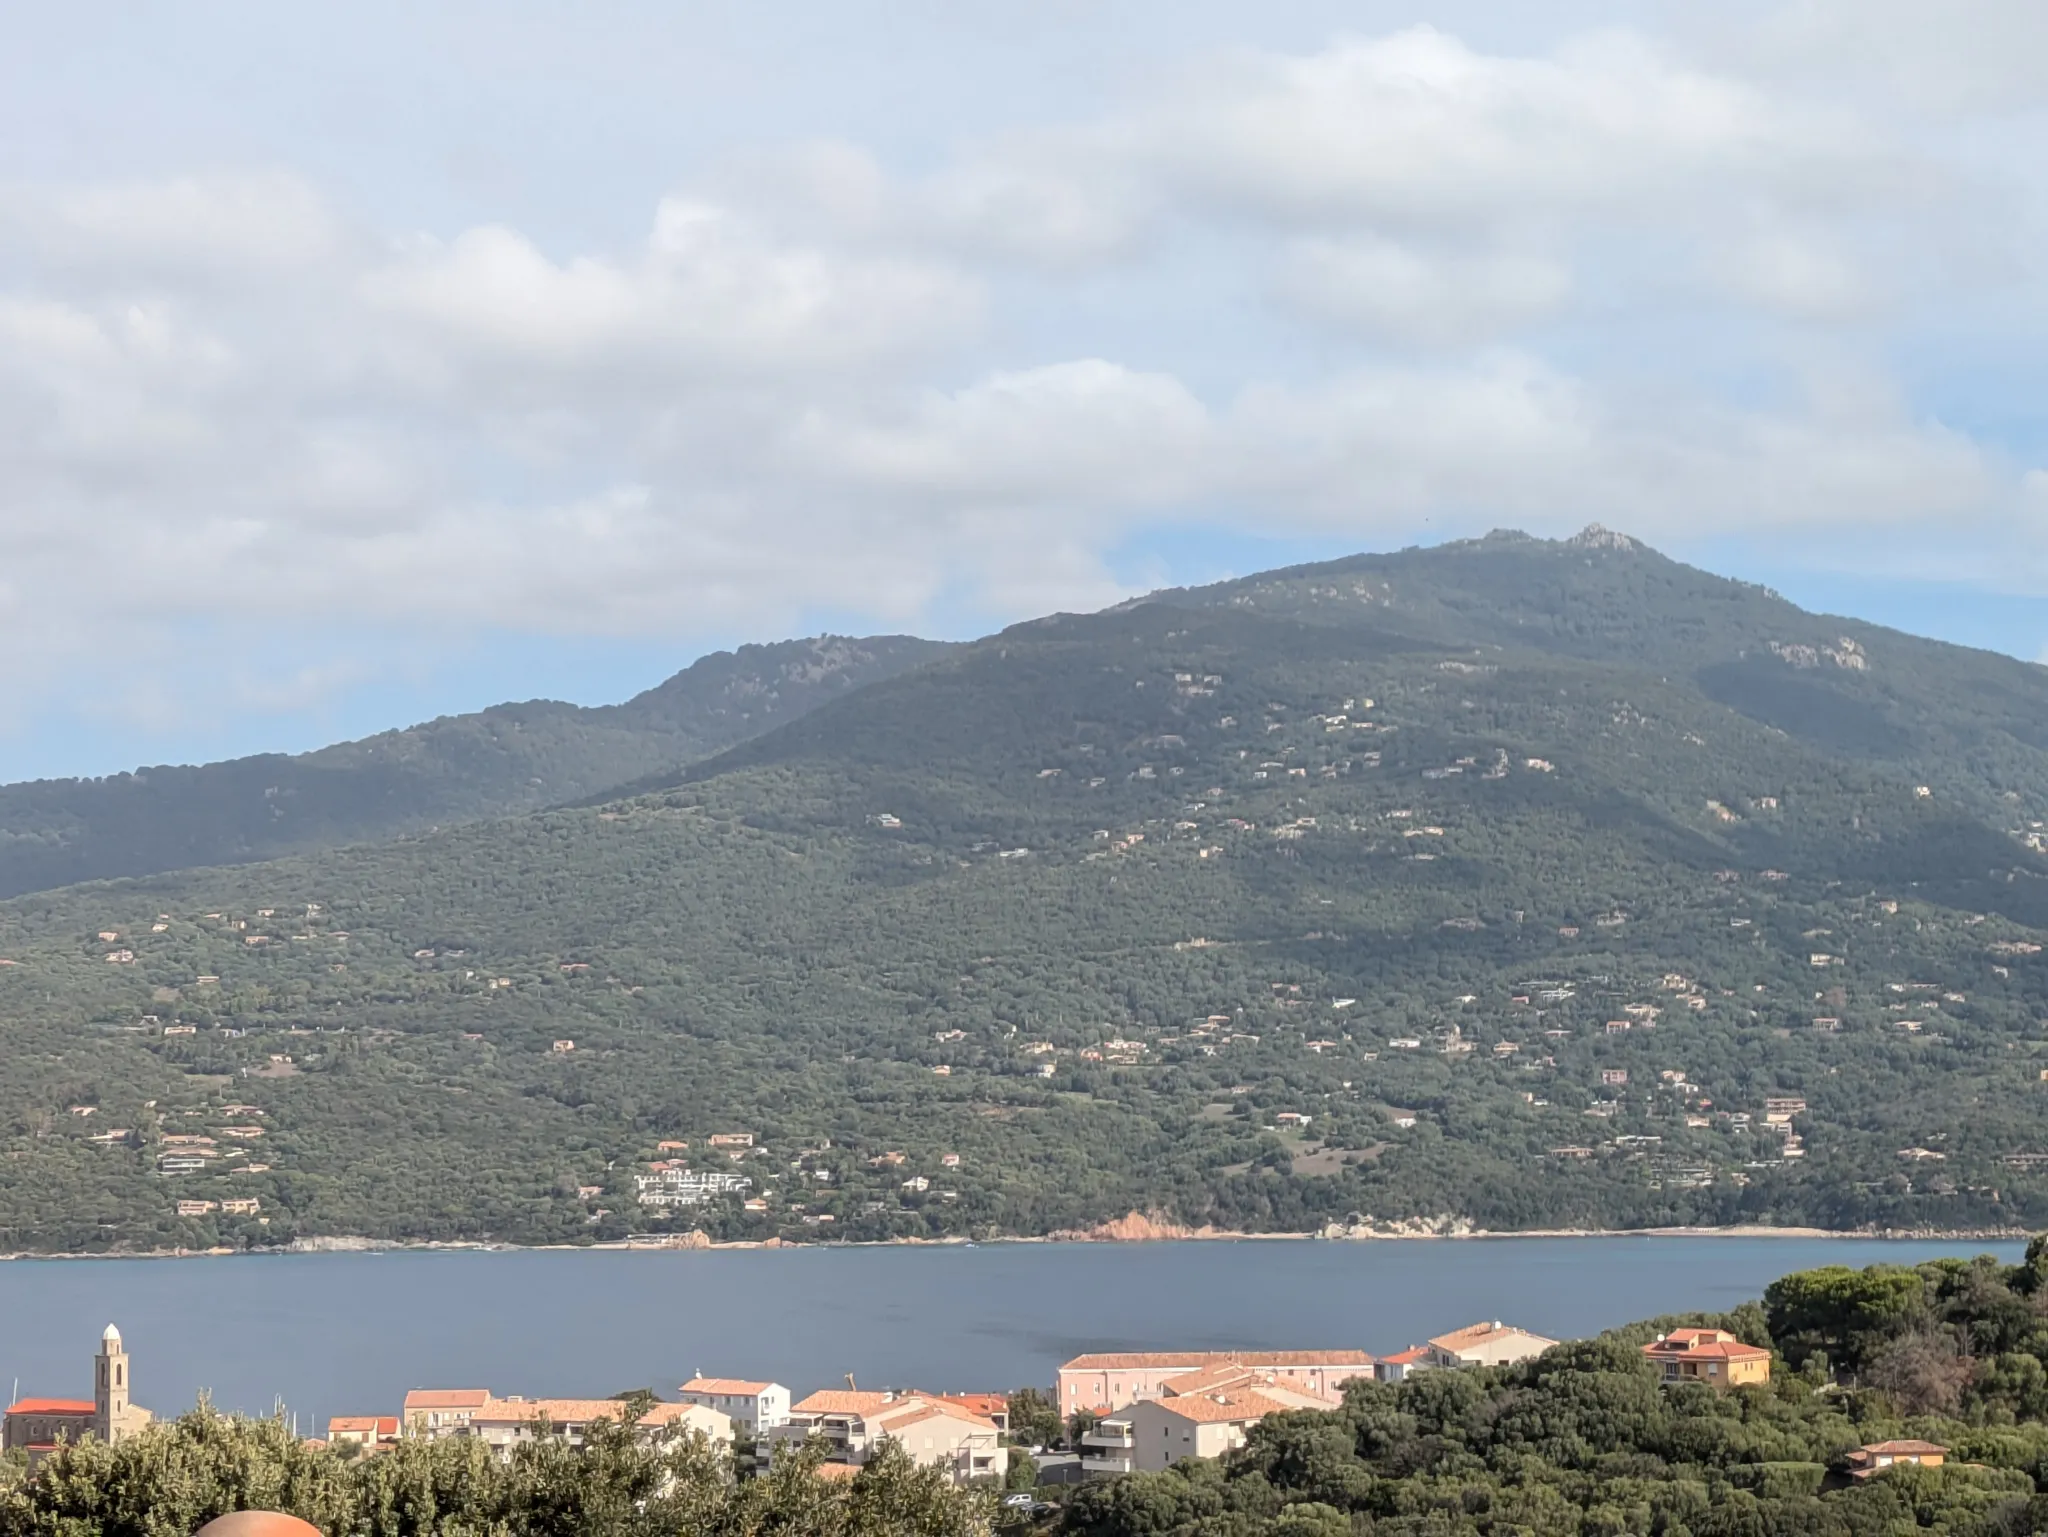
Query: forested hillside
(461, 768)
(1257, 907)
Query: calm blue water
(350, 1333)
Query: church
(39, 1425)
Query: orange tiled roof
(1194, 1360)
(836, 1472)
(363, 1424)
(1903, 1449)
(844, 1401)
(1704, 1345)
(422, 1400)
(1209, 1379)
(1222, 1408)
(1407, 1357)
(53, 1406)
(559, 1411)
(731, 1385)
(1482, 1333)
(987, 1405)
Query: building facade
(437, 1412)
(1486, 1344)
(1105, 1383)
(1206, 1413)
(752, 1406)
(932, 1432)
(504, 1423)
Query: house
(503, 1423)
(37, 1426)
(1397, 1367)
(1203, 1413)
(362, 1430)
(1867, 1461)
(1108, 1382)
(437, 1412)
(758, 1406)
(932, 1432)
(1486, 1344)
(732, 1139)
(1712, 1356)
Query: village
(1116, 1412)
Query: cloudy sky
(362, 363)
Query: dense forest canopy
(1510, 885)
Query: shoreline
(345, 1244)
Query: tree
(1035, 1418)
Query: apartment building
(755, 1406)
(934, 1433)
(1106, 1383)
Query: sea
(350, 1333)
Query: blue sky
(360, 364)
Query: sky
(365, 363)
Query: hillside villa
(1868, 1461)
(1712, 1356)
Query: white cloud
(1606, 278)
(1420, 296)
(1087, 430)
(707, 293)
(1417, 128)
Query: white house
(758, 1406)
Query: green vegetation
(463, 768)
(1586, 1440)
(1506, 884)
(173, 1478)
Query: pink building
(1109, 1382)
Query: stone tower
(110, 1417)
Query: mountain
(1509, 884)
(460, 768)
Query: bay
(351, 1333)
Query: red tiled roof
(1407, 1357)
(363, 1424)
(987, 1405)
(735, 1386)
(53, 1406)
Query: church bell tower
(110, 1388)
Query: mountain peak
(1594, 537)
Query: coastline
(1122, 1231)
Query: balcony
(1109, 1449)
